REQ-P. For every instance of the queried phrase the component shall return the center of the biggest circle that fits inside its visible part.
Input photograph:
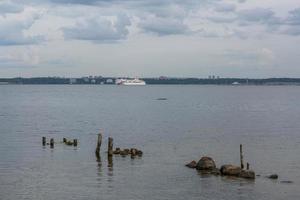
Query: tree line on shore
(169, 81)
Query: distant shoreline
(149, 81)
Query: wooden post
(241, 156)
(99, 141)
(52, 143)
(110, 146)
(75, 142)
(248, 166)
(44, 141)
(64, 140)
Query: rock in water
(286, 182)
(273, 176)
(139, 153)
(230, 170)
(247, 174)
(133, 151)
(192, 164)
(124, 153)
(117, 151)
(216, 172)
(206, 163)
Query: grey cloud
(164, 26)
(225, 7)
(10, 7)
(261, 16)
(256, 15)
(88, 2)
(99, 29)
(293, 31)
(226, 33)
(292, 23)
(222, 19)
(294, 17)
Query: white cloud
(13, 27)
(26, 56)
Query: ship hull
(137, 84)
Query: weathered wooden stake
(51, 143)
(64, 140)
(44, 141)
(110, 146)
(99, 141)
(75, 142)
(248, 166)
(241, 156)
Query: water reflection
(110, 164)
(99, 164)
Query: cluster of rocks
(207, 164)
(133, 152)
(65, 141)
(70, 142)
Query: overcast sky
(149, 38)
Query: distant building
(109, 81)
(235, 83)
(163, 78)
(93, 81)
(73, 80)
(86, 79)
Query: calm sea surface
(194, 121)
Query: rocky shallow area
(208, 165)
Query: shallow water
(194, 121)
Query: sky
(150, 38)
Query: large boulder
(206, 163)
(230, 170)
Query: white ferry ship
(130, 82)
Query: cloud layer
(99, 21)
(53, 25)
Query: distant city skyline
(150, 38)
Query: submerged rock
(124, 153)
(70, 143)
(249, 174)
(133, 152)
(117, 151)
(192, 164)
(273, 176)
(230, 170)
(161, 99)
(139, 153)
(215, 171)
(206, 163)
(286, 182)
